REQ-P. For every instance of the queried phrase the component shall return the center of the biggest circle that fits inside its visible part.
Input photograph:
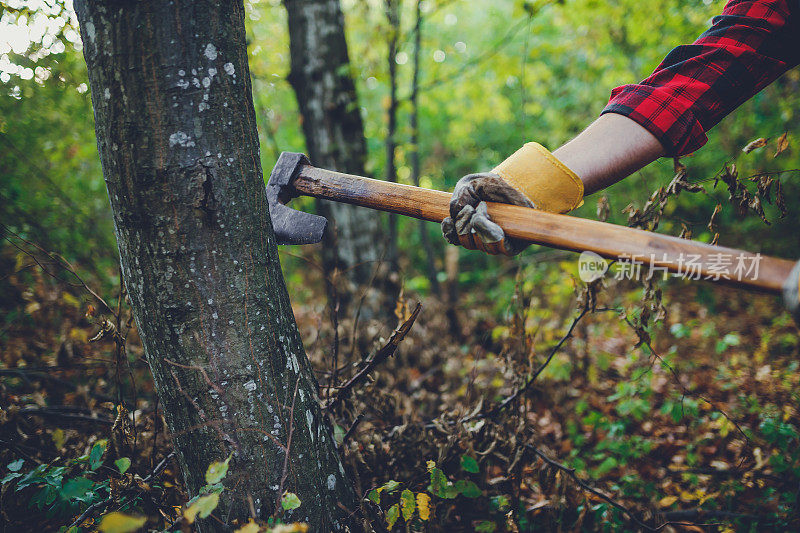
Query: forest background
(676, 400)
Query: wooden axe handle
(558, 231)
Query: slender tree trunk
(393, 17)
(427, 248)
(334, 132)
(176, 133)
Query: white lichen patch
(181, 139)
(107, 93)
(90, 31)
(310, 422)
(211, 52)
(229, 69)
(250, 386)
(331, 482)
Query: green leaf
(469, 464)
(96, 455)
(391, 486)
(217, 471)
(202, 507)
(290, 501)
(440, 486)
(10, 477)
(408, 504)
(392, 515)
(121, 523)
(374, 496)
(123, 464)
(438, 480)
(606, 466)
(338, 434)
(15, 466)
(485, 527)
(76, 487)
(468, 489)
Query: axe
(294, 176)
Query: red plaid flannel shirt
(747, 47)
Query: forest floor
(690, 424)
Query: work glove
(531, 177)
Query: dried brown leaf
(752, 145)
(603, 208)
(712, 223)
(782, 145)
(780, 200)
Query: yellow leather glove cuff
(542, 178)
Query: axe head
(291, 226)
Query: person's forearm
(611, 148)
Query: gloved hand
(531, 177)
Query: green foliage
(290, 501)
(57, 491)
(217, 471)
(95, 458)
(122, 464)
(469, 464)
(408, 504)
(201, 507)
(440, 486)
(121, 523)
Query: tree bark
(334, 132)
(393, 18)
(427, 248)
(176, 133)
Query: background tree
(393, 10)
(321, 77)
(177, 139)
(414, 142)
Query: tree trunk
(393, 18)
(176, 133)
(334, 132)
(427, 247)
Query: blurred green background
(494, 74)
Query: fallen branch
(380, 356)
(62, 416)
(352, 429)
(700, 514)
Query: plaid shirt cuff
(668, 118)
(747, 47)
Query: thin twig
(288, 448)
(380, 356)
(529, 382)
(352, 429)
(608, 499)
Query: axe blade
(291, 226)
